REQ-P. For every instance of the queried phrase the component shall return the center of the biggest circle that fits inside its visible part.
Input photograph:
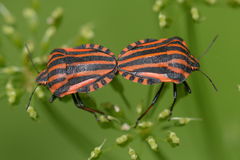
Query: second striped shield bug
(152, 61)
(82, 69)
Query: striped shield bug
(152, 61)
(82, 69)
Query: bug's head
(195, 66)
(42, 77)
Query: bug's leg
(187, 88)
(174, 99)
(52, 98)
(153, 102)
(78, 102)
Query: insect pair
(88, 67)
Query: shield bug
(82, 69)
(152, 61)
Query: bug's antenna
(30, 58)
(214, 86)
(30, 98)
(209, 47)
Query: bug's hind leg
(79, 104)
(153, 102)
(174, 99)
(187, 88)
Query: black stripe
(132, 77)
(159, 50)
(81, 52)
(130, 47)
(88, 67)
(152, 81)
(99, 49)
(124, 74)
(110, 75)
(181, 66)
(54, 56)
(40, 78)
(156, 44)
(50, 84)
(58, 50)
(180, 43)
(69, 60)
(74, 81)
(103, 82)
(156, 59)
(80, 79)
(162, 70)
(56, 71)
(140, 80)
(95, 86)
(84, 89)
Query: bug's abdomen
(154, 61)
(80, 69)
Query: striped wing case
(153, 61)
(81, 69)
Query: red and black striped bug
(152, 61)
(77, 70)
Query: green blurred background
(64, 132)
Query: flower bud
(162, 20)
(152, 143)
(133, 155)
(47, 37)
(211, 2)
(172, 139)
(11, 92)
(139, 109)
(32, 18)
(181, 1)
(11, 70)
(56, 17)
(122, 139)
(164, 114)
(125, 127)
(8, 30)
(11, 33)
(184, 121)
(158, 5)
(195, 14)
(96, 151)
(7, 16)
(145, 124)
(181, 121)
(86, 31)
(39, 92)
(103, 119)
(32, 113)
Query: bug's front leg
(153, 102)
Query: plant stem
(82, 142)
(211, 131)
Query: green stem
(211, 131)
(82, 142)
